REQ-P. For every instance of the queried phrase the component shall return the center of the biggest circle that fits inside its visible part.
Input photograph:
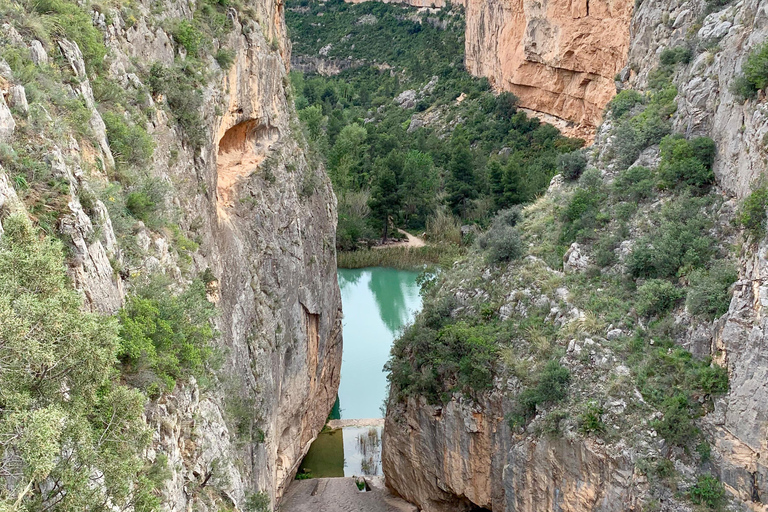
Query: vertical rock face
(558, 57)
(264, 218)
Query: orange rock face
(559, 57)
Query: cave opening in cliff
(240, 151)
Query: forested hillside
(406, 133)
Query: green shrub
(67, 19)
(502, 244)
(551, 387)
(188, 36)
(752, 214)
(130, 144)
(707, 491)
(65, 411)
(755, 73)
(680, 244)
(656, 296)
(225, 58)
(687, 162)
(708, 291)
(571, 165)
(712, 379)
(678, 55)
(502, 241)
(181, 88)
(624, 101)
(635, 184)
(582, 215)
(676, 426)
(167, 334)
(257, 502)
(591, 420)
(146, 202)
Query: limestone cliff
(263, 218)
(559, 58)
(463, 454)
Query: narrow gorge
(189, 188)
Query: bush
(502, 241)
(676, 426)
(707, 491)
(656, 296)
(67, 19)
(635, 184)
(225, 58)
(680, 244)
(755, 73)
(551, 387)
(167, 334)
(571, 165)
(624, 101)
(188, 36)
(65, 412)
(708, 291)
(182, 92)
(753, 213)
(581, 216)
(687, 162)
(677, 55)
(130, 144)
(591, 420)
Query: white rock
(7, 124)
(38, 53)
(574, 260)
(17, 98)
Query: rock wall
(558, 57)
(264, 216)
(426, 444)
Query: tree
(347, 157)
(461, 182)
(418, 187)
(71, 437)
(385, 201)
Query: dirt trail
(413, 241)
(341, 495)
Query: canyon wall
(463, 454)
(263, 217)
(559, 57)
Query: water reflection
(351, 451)
(377, 302)
(389, 290)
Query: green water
(377, 303)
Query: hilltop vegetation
(409, 138)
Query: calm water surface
(377, 303)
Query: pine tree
(385, 201)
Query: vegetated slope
(159, 222)
(599, 349)
(406, 133)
